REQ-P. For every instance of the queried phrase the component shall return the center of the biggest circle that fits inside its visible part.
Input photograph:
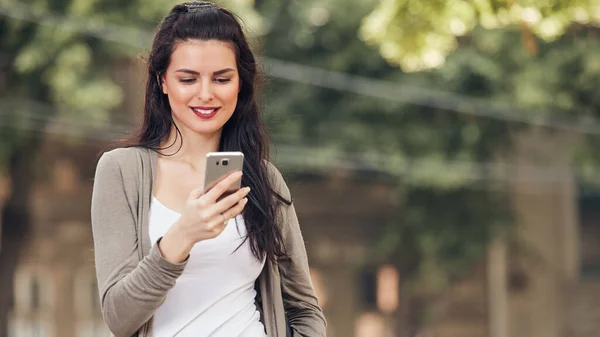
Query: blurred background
(443, 156)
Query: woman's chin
(207, 130)
(205, 127)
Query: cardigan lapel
(147, 171)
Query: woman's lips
(205, 112)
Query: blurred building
(55, 284)
(550, 288)
(544, 280)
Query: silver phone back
(219, 165)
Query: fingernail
(245, 200)
(247, 189)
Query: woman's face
(202, 84)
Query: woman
(170, 260)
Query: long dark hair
(244, 131)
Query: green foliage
(420, 34)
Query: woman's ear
(163, 86)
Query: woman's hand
(204, 217)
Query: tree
(420, 34)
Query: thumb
(195, 194)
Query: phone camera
(225, 162)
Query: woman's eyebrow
(193, 72)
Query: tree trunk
(16, 222)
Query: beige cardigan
(134, 278)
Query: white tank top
(215, 295)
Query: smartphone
(218, 166)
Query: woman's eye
(222, 80)
(187, 80)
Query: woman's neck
(194, 146)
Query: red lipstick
(205, 112)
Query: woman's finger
(195, 194)
(218, 223)
(222, 186)
(235, 210)
(227, 202)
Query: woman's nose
(205, 92)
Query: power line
(403, 93)
(40, 111)
(396, 92)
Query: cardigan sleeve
(300, 302)
(130, 290)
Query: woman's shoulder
(123, 155)
(274, 173)
(122, 166)
(277, 179)
(125, 159)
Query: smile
(205, 112)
